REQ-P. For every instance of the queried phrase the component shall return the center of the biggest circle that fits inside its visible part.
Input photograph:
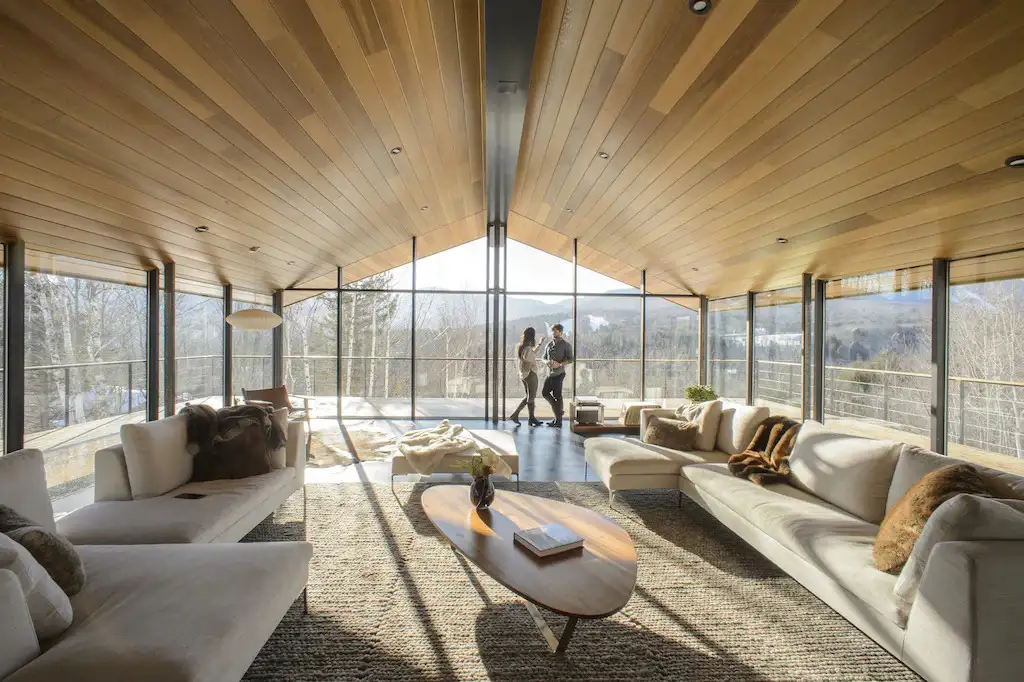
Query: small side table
(590, 413)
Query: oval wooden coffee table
(593, 582)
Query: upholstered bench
(501, 442)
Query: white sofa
(228, 510)
(965, 623)
(155, 612)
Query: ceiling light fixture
(424, 208)
(700, 6)
(291, 262)
(696, 269)
(568, 210)
(603, 155)
(253, 249)
(253, 319)
(202, 229)
(396, 151)
(781, 240)
(1015, 161)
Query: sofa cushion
(51, 550)
(915, 462)
(18, 641)
(832, 541)
(965, 517)
(47, 603)
(23, 486)
(903, 524)
(707, 416)
(851, 472)
(670, 433)
(181, 612)
(170, 519)
(156, 455)
(737, 426)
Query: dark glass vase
(481, 492)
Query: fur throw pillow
(766, 459)
(670, 433)
(902, 526)
(53, 552)
(706, 416)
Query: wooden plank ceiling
(869, 133)
(125, 124)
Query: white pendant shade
(253, 319)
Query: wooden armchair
(278, 398)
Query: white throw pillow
(18, 641)
(706, 416)
(737, 426)
(48, 606)
(279, 457)
(965, 517)
(851, 472)
(156, 455)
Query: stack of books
(548, 540)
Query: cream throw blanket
(426, 448)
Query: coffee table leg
(557, 645)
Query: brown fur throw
(670, 433)
(766, 459)
(232, 442)
(902, 526)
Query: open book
(549, 539)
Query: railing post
(789, 388)
(129, 387)
(963, 414)
(885, 397)
(67, 396)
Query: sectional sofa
(169, 595)
(964, 624)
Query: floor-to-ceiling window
(727, 347)
(986, 358)
(199, 343)
(311, 347)
(85, 365)
(878, 354)
(672, 345)
(778, 344)
(251, 350)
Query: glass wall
(311, 346)
(376, 368)
(878, 354)
(727, 347)
(252, 362)
(608, 349)
(451, 338)
(85, 365)
(986, 358)
(198, 343)
(672, 346)
(778, 340)
(539, 312)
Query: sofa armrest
(112, 475)
(295, 451)
(964, 625)
(649, 412)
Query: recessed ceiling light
(603, 155)
(696, 269)
(424, 208)
(568, 210)
(254, 249)
(700, 6)
(396, 150)
(781, 240)
(202, 229)
(1015, 161)
(291, 262)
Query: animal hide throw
(766, 459)
(232, 442)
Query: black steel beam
(338, 345)
(702, 342)
(227, 375)
(170, 390)
(806, 343)
(750, 347)
(14, 346)
(940, 356)
(643, 335)
(412, 339)
(819, 349)
(277, 341)
(575, 295)
(490, 308)
(152, 345)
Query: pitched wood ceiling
(125, 124)
(869, 133)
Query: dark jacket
(559, 350)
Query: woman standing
(526, 351)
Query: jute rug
(389, 600)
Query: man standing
(558, 354)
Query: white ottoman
(501, 442)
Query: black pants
(553, 393)
(530, 386)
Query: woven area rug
(389, 600)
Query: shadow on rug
(389, 600)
